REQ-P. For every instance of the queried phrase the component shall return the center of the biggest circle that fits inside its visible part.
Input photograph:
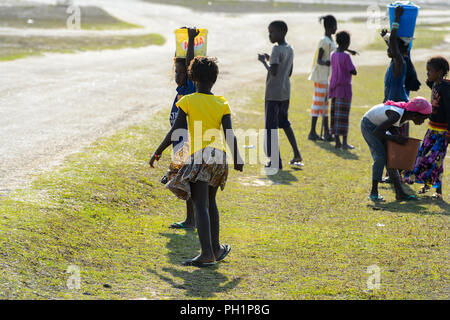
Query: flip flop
(296, 163)
(409, 198)
(225, 253)
(195, 263)
(180, 225)
(376, 198)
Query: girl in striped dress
(320, 74)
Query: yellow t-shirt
(204, 116)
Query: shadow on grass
(417, 207)
(329, 146)
(283, 177)
(200, 283)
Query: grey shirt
(278, 88)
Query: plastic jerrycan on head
(407, 20)
(181, 38)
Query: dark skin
(203, 195)
(275, 36)
(180, 79)
(394, 50)
(344, 145)
(381, 132)
(279, 37)
(181, 68)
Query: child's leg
(399, 192)
(312, 133)
(271, 133)
(214, 223)
(190, 214)
(200, 198)
(326, 129)
(283, 122)
(338, 141)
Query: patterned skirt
(319, 105)
(429, 167)
(207, 165)
(340, 114)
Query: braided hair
(203, 69)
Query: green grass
(52, 16)
(425, 37)
(305, 234)
(16, 47)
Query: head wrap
(418, 104)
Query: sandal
(423, 190)
(226, 251)
(196, 263)
(313, 137)
(180, 225)
(376, 198)
(437, 196)
(297, 162)
(408, 198)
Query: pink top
(341, 78)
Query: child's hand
(328, 63)
(262, 57)
(267, 56)
(383, 32)
(239, 167)
(153, 158)
(400, 139)
(353, 52)
(193, 32)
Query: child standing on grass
(429, 166)
(340, 93)
(207, 169)
(277, 95)
(374, 126)
(320, 74)
(185, 87)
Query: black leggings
(206, 217)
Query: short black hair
(343, 38)
(328, 21)
(203, 69)
(280, 25)
(439, 63)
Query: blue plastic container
(407, 19)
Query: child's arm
(180, 123)
(393, 44)
(192, 33)
(319, 59)
(232, 142)
(273, 68)
(380, 130)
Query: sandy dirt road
(55, 105)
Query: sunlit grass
(302, 234)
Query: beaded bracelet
(395, 25)
(157, 156)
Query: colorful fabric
(341, 78)
(417, 104)
(340, 114)
(429, 166)
(321, 73)
(440, 100)
(319, 105)
(188, 88)
(206, 112)
(212, 169)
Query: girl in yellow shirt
(207, 167)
